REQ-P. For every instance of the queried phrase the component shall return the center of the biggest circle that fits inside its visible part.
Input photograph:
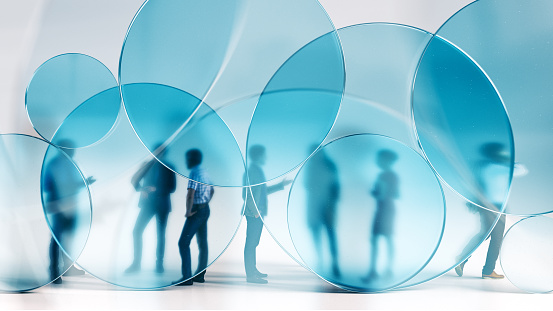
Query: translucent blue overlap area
(139, 208)
(526, 254)
(380, 61)
(462, 125)
(355, 210)
(510, 41)
(43, 192)
(299, 105)
(165, 115)
(77, 90)
(285, 53)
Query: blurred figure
(323, 191)
(197, 213)
(155, 182)
(385, 191)
(62, 184)
(493, 181)
(254, 224)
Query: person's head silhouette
(386, 158)
(257, 154)
(495, 152)
(193, 158)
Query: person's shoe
(492, 275)
(57, 281)
(183, 283)
(159, 268)
(73, 271)
(459, 269)
(256, 280)
(200, 278)
(260, 275)
(132, 268)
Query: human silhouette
(155, 182)
(385, 192)
(62, 184)
(323, 191)
(198, 195)
(256, 195)
(493, 173)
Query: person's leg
(333, 247)
(144, 217)
(253, 235)
(191, 226)
(161, 225)
(201, 238)
(496, 239)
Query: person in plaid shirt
(197, 213)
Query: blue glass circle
(355, 210)
(526, 254)
(462, 125)
(134, 241)
(45, 212)
(78, 91)
(163, 114)
(511, 44)
(291, 59)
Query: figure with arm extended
(62, 184)
(323, 191)
(155, 182)
(493, 175)
(256, 196)
(199, 193)
(385, 192)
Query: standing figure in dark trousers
(254, 224)
(62, 183)
(494, 182)
(323, 190)
(385, 192)
(155, 182)
(197, 213)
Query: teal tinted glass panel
(139, 214)
(462, 125)
(162, 114)
(166, 45)
(526, 254)
(510, 41)
(355, 211)
(299, 105)
(78, 91)
(45, 204)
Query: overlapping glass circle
(510, 43)
(354, 212)
(224, 77)
(215, 57)
(526, 254)
(77, 91)
(37, 204)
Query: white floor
(290, 287)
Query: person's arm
(189, 202)
(278, 186)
